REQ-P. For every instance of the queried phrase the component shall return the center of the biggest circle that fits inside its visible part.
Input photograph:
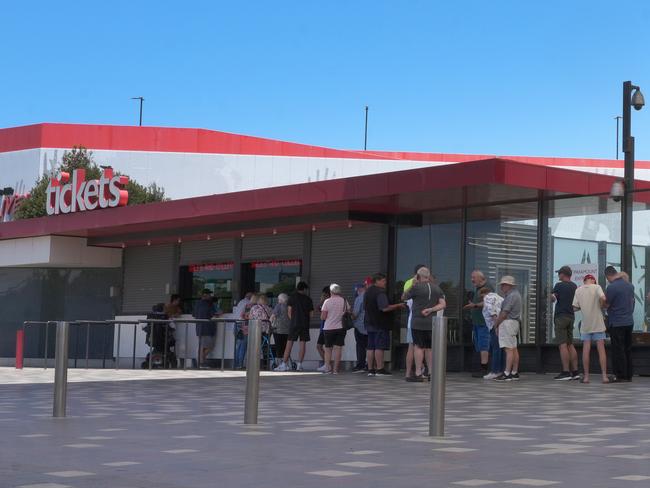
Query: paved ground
(322, 431)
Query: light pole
(365, 136)
(637, 101)
(141, 100)
(618, 120)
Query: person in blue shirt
(205, 308)
(620, 319)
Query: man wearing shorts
(300, 308)
(378, 321)
(427, 298)
(480, 331)
(590, 300)
(563, 293)
(205, 309)
(507, 325)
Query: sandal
(584, 381)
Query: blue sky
(491, 77)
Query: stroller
(160, 338)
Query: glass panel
(436, 245)
(502, 240)
(216, 277)
(583, 233)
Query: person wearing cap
(332, 315)
(360, 333)
(620, 315)
(563, 293)
(507, 325)
(590, 300)
(206, 332)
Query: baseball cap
(589, 277)
(565, 270)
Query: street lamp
(630, 99)
(141, 100)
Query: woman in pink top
(332, 313)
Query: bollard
(438, 377)
(20, 348)
(223, 344)
(253, 371)
(61, 369)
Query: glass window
(216, 277)
(502, 240)
(584, 234)
(436, 245)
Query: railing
(118, 324)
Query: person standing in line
(239, 312)
(507, 325)
(427, 298)
(300, 309)
(590, 300)
(410, 352)
(320, 342)
(491, 309)
(173, 309)
(205, 308)
(280, 323)
(563, 293)
(620, 316)
(360, 334)
(378, 322)
(261, 311)
(241, 342)
(480, 332)
(332, 314)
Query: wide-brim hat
(508, 280)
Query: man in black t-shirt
(300, 308)
(563, 293)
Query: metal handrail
(120, 323)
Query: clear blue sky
(499, 77)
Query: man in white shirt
(590, 299)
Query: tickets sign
(67, 195)
(582, 270)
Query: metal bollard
(20, 348)
(223, 344)
(438, 377)
(61, 369)
(253, 371)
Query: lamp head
(638, 101)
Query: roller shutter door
(147, 272)
(272, 247)
(346, 257)
(206, 251)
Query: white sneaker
(299, 367)
(490, 376)
(282, 368)
(323, 369)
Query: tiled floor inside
(323, 430)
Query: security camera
(618, 191)
(638, 101)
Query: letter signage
(65, 195)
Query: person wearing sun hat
(507, 324)
(590, 300)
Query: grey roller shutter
(195, 252)
(346, 257)
(272, 247)
(147, 273)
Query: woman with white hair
(332, 313)
(280, 322)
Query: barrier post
(61, 369)
(223, 344)
(20, 348)
(438, 377)
(253, 371)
